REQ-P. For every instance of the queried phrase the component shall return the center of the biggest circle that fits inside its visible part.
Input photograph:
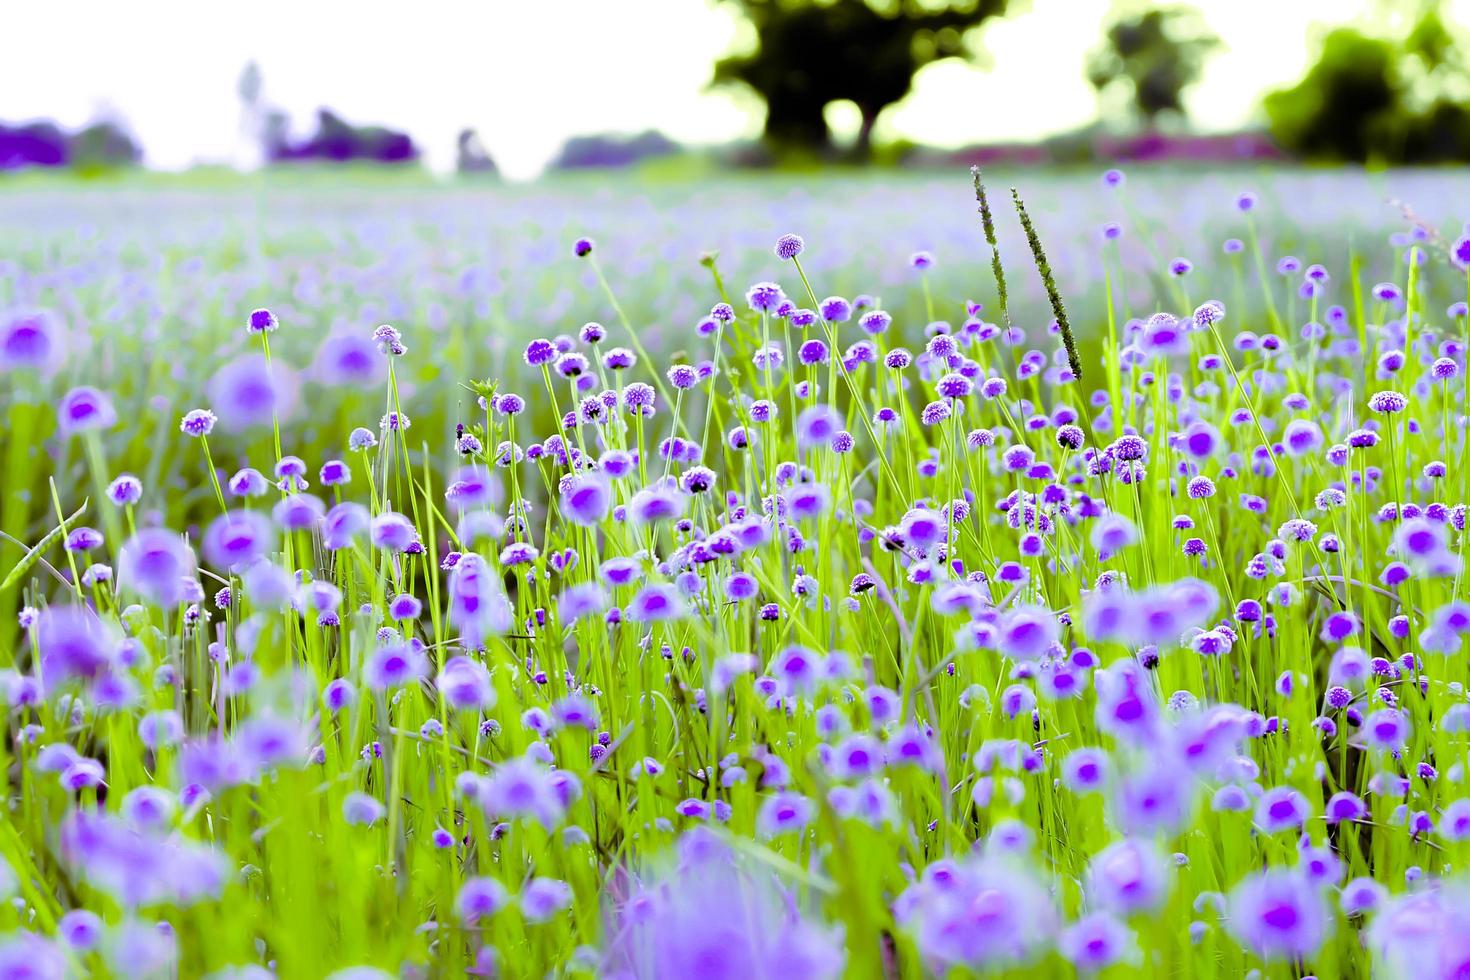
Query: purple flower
(663, 928)
(73, 644)
(464, 683)
(586, 500)
(1129, 876)
(479, 898)
(784, 813)
(343, 524)
(32, 340)
(1097, 941)
(84, 409)
(1387, 402)
(248, 392)
(805, 501)
(656, 602)
(798, 668)
(764, 296)
(197, 422)
(125, 490)
(789, 246)
(478, 606)
(158, 565)
(261, 321)
(1279, 914)
(298, 512)
(1281, 808)
(1027, 633)
(362, 810)
(521, 788)
(985, 914)
(543, 898)
(238, 539)
(1386, 730)
(348, 359)
(394, 665)
(391, 531)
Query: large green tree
(1381, 99)
(1149, 58)
(810, 53)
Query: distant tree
(1150, 57)
(811, 53)
(105, 144)
(586, 152)
(1374, 99)
(338, 141)
(37, 144)
(471, 156)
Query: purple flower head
(1387, 402)
(464, 684)
(662, 930)
(248, 391)
(85, 409)
(1386, 730)
(394, 665)
(361, 810)
(835, 309)
(74, 644)
(343, 524)
(238, 539)
(1127, 706)
(156, 564)
(479, 899)
(656, 602)
(478, 606)
(805, 501)
(1096, 942)
(789, 246)
(1129, 876)
(1027, 633)
(392, 531)
(33, 340)
(986, 914)
(586, 500)
(1279, 914)
(125, 491)
(261, 321)
(764, 296)
(1280, 809)
(348, 359)
(522, 789)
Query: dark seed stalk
(989, 224)
(1044, 267)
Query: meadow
(747, 577)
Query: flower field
(762, 578)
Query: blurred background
(518, 90)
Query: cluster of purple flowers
(909, 658)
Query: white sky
(529, 73)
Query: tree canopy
(1150, 57)
(1371, 99)
(811, 53)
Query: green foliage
(1380, 100)
(814, 52)
(1151, 58)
